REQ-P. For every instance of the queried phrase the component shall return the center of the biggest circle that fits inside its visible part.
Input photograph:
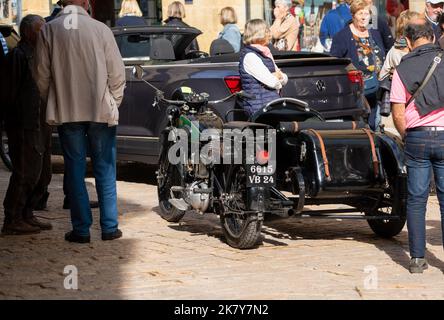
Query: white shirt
(254, 66)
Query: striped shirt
(3, 44)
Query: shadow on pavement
(294, 229)
(196, 224)
(33, 266)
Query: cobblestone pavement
(299, 259)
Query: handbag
(281, 44)
(371, 84)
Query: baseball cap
(435, 1)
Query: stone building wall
(40, 7)
(204, 15)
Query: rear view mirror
(138, 72)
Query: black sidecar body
(343, 163)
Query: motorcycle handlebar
(160, 97)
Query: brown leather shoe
(38, 223)
(19, 228)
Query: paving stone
(299, 259)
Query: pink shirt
(399, 94)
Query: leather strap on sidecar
(374, 155)
(323, 152)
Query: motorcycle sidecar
(343, 163)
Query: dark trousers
(31, 160)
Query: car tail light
(355, 76)
(233, 83)
(262, 156)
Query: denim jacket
(232, 34)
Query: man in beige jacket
(80, 73)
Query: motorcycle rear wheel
(241, 231)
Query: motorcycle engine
(199, 201)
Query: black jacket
(412, 71)
(22, 107)
(386, 34)
(172, 21)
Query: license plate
(261, 176)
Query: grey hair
(286, 3)
(27, 24)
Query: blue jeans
(75, 138)
(424, 152)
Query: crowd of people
(74, 78)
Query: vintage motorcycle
(299, 159)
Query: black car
(328, 84)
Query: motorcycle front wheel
(167, 177)
(241, 230)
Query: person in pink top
(421, 124)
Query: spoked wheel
(241, 230)
(167, 177)
(4, 148)
(390, 203)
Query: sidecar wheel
(171, 177)
(389, 228)
(4, 150)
